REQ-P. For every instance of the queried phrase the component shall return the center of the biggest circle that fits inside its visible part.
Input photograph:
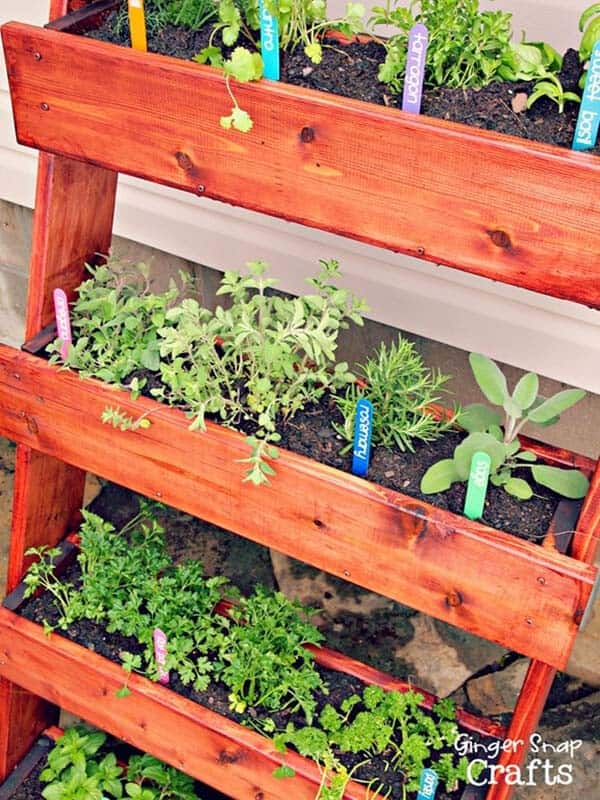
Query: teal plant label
(588, 120)
(63, 321)
(269, 43)
(418, 40)
(477, 485)
(428, 785)
(363, 430)
(160, 654)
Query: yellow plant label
(137, 24)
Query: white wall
(554, 338)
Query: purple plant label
(418, 39)
(160, 654)
(588, 120)
(428, 785)
(363, 429)
(63, 321)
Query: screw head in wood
(200, 188)
(44, 106)
(37, 56)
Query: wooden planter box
(504, 208)
(527, 597)
(205, 745)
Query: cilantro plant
(401, 389)
(78, 770)
(277, 355)
(502, 444)
(267, 664)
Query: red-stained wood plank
(587, 536)
(471, 199)
(481, 580)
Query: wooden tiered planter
(193, 738)
(514, 211)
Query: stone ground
(387, 635)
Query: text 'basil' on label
(137, 24)
(588, 121)
(477, 485)
(427, 785)
(269, 43)
(418, 40)
(363, 429)
(63, 321)
(160, 654)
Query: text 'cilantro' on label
(63, 321)
(363, 429)
(269, 43)
(477, 485)
(418, 39)
(588, 121)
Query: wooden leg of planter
(73, 222)
(526, 716)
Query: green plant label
(363, 430)
(477, 485)
(160, 654)
(269, 43)
(63, 321)
(588, 120)
(428, 785)
(418, 39)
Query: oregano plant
(496, 433)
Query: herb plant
(467, 47)
(77, 770)
(502, 443)
(589, 25)
(401, 389)
(551, 87)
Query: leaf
(484, 442)
(567, 482)
(284, 771)
(555, 405)
(439, 477)
(518, 488)
(314, 52)
(526, 391)
(490, 378)
(124, 691)
(239, 119)
(478, 417)
(243, 65)
(526, 455)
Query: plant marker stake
(269, 43)
(137, 25)
(63, 321)
(418, 39)
(588, 120)
(160, 654)
(363, 429)
(428, 785)
(477, 485)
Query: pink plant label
(418, 40)
(63, 321)
(160, 654)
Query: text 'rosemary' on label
(588, 121)
(63, 321)
(363, 429)
(418, 40)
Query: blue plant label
(428, 785)
(588, 120)
(477, 486)
(418, 40)
(363, 429)
(269, 43)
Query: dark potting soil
(311, 433)
(94, 637)
(351, 71)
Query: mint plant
(499, 438)
(78, 770)
(402, 389)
